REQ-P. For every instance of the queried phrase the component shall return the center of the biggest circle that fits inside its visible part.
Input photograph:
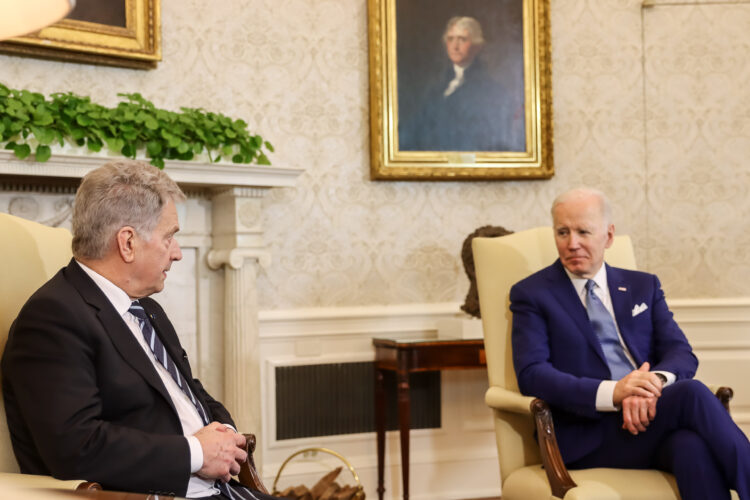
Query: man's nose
(176, 250)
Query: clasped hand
(638, 392)
(223, 452)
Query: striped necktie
(160, 353)
(232, 492)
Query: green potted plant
(31, 124)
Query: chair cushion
(530, 483)
(594, 484)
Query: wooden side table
(404, 357)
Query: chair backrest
(30, 254)
(500, 263)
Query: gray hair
(471, 25)
(119, 193)
(604, 206)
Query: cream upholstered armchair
(531, 470)
(30, 254)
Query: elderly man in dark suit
(600, 345)
(96, 383)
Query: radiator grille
(338, 398)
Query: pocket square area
(639, 309)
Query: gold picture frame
(500, 130)
(134, 41)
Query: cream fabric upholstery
(500, 263)
(30, 254)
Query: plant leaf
(22, 151)
(43, 153)
(153, 148)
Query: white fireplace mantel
(75, 166)
(236, 247)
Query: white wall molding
(725, 310)
(387, 319)
(413, 318)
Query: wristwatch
(662, 378)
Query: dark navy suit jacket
(558, 358)
(84, 401)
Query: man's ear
(125, 239)
(610, 235)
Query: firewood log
(345, 493)
(330, 492)
(325, 481)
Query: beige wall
(671, 152)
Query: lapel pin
(622, 288)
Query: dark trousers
(692, 436)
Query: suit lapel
(622, 301)
(117, 330)
(565, 293)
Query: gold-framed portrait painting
(123, 33)
(460, 89)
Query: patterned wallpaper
(670, 148)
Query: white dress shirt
(457, 81)
(606, 390)
(189, 418)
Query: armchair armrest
(557, 474)
(248, 475)
(45, 482)
(725, 394)
(498, 398)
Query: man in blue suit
(599, 344)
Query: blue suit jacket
(558, 358)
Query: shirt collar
(116, 295)
(600, 278)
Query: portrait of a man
(466, 92)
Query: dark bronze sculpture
(471, 303)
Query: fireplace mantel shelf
(208, 175)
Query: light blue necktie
(604, 327)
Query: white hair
(582, 192)
(471, 25)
